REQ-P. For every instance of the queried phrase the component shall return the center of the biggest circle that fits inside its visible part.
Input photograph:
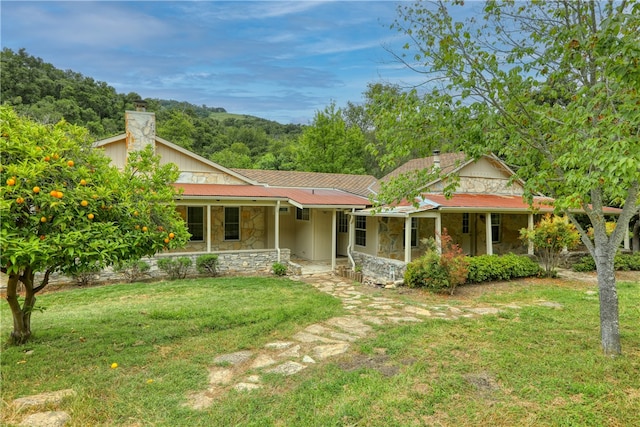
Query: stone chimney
(436, 159)
(140, 127)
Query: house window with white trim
(414, 233)
(465, 223)
(361, 230)
(496, 229)
(195, 223)
(232, 223)
(343, 222)
(302, 214)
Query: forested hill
(47, 94)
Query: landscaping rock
(287, 368)
(46, 419)
(234, 358)
(43, 399)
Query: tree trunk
(609, 321)
(21, 315)
(636, 236)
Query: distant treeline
(335, 141)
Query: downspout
(352, 221)
(277, 226)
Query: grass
(536, 365)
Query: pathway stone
(262, 360)
(287, 368)
(43, 399)
(46, 419)
(278, 345)
(234, 358)
(325, 351)
(220, 376)
(417, 310)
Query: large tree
(330, 145)
(550, 86)
(65, 209)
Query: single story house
(253, 218)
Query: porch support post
(627, 245)
(530, 227)
(407, 239)
(352, 238)
(439, 232)
(277, 228)
(209, 229)
(334, 232)
(489, 235)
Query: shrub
(86, 276)
(438, 272)
(620, 262)
(207, 264)
(550, 237)
(279, 269)
(485, 268)
(133, 270)
(175, 268)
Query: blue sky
(281, 61)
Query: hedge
(621, 261)
(485, 268)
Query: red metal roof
(306, 197)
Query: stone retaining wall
(247, 262)
(380, 270)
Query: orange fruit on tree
(47, 158)
(11, 181)
(53, 193)
(137, 227)
(172, 235)
(42, 237)
(43, 219)
(59, 194)
(70, 163)
(135, 213)
(19, 200)
(55, 157)
(84, 203)
(91, 216)
(166, 240)
(145, 229)
(36, 189)
(83, 182)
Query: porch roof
(467, 202)
(299, 197)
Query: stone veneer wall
(391, 237)
(380, 270)
(229, 262)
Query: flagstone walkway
(243, 370)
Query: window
(195, 223)
(465, 223)
(302, 214)
(232, 223)
(343, 222)
(361, 230)
(495, 228)
(414, 233)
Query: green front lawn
(533, 365)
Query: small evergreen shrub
(486, 268)
(207, 264)
(86, 276)
(279, 269)
(175, 268)
(133, 270)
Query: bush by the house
(175, 268)
(438, 272)
(207, 264)
(621, 261)
(486, 268)
(279, 269)
(133, 270)
(87, 275)
(550, 237)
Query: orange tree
(65, 209)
